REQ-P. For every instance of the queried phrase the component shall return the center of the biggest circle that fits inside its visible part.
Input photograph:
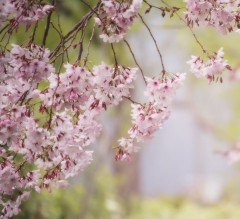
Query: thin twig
(194, 35)
(81, 42)
(88, 47)
(155, 42)
(47, 27)
(114, 54)
(34, 33)
(91, 8)
(135, 60)
(4, 28)
(76, 28)
(133, 101)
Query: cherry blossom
(23, 11)
(112, 84)
(149, 117)
(57, 145)
(117, 18)
(49, 118)
(6, 8)
(11, 185)
(212, 68)
(69, 90)
(22, 70)
(12, 208)
(161, 92)
(220, 14)
(105, 86)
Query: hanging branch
(88, 47)
(45, 35)
(135, 60)
(176, 12)
(155, 43)
(34, 33)
(75, 29)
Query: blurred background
(181, 173)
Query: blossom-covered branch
(49, 114)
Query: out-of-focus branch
(47, 26)
(73, 32)
(155, 43)
(135, 60)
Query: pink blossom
(149, 117)
(119, 17)
(146, 121)
(12, 208)
(6, 9)
(112, 84)
(212, 68)
(69, 90)
(21, 71)
(23, 11)
(162, 91)
(220, 14)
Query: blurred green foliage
(90, 198)
(98, 198)
(183, 209)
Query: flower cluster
(116, 18)
(69, 90)
(23, 11)
(21, 71)
(232, 154)
(220, 14)
(112, 84)
(48, 119)
(14, 186)
(211, 69)
(6, 7)
(80, 88)
(49, 128)
(149, 117)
